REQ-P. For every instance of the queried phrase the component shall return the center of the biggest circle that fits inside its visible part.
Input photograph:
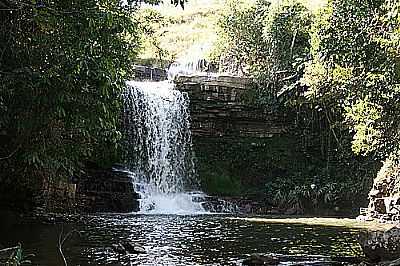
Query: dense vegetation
(333, 68)
(63, 66)
(169, 35)
(336, 70)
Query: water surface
(178, 240)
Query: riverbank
(335, 222)
(379, 241)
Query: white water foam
(159, 148)
(191, 63)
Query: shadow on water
(177, 240)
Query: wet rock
(292, 211)
(118, 248)
(381, 245)
(259, 259)
(385, 263)
(391, 263)
(106, 190)
(133, 248)
(149, 73)
(214, 204)
(364, 263)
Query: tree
(63, 66)
(268, 41)
(355, 70)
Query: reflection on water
(177, 240)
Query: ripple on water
(187, 240)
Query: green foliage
(171, 33)
(286, 33)
(18, 257)
(240, 36)
(355, 70)
(242, 167)
(217, 182)
(307, 197)
(363, 114)
(355, 62)
(268, 41)
(151, 21)
(63, 66)
(335, 72)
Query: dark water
(178, 240)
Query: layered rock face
(218, 108)
(384, 205)
(94, 190)
(107, 191)
(149, 73)
(384, 197)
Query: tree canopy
(343, 58)
(335, 71)
(63, 65)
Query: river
(180, 240)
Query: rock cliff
(219, 108)
(384, 197)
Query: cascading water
(159, 148)
(192, 62)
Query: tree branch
(292, 46)
(61, 241)
(11, 154)
(8, 249)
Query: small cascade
(187, 67)
(159, 147)
(193, 62)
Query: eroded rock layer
(384, 197)
(219, 108)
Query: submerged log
(259, 259)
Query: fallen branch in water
(11, 154)
(9, 249)
(61, 241)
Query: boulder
(133, 248)
(106, 190)
(119, 249)
(381, 245)
(384, 197)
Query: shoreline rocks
(384, 197)
(381, 246)
(127, 247)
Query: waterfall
(158, 147)
(192, 62)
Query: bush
(63, 67)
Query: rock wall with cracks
(219, 109)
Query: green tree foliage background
(336, 71)
(343, 58)
(63, 65)
(355, 69)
